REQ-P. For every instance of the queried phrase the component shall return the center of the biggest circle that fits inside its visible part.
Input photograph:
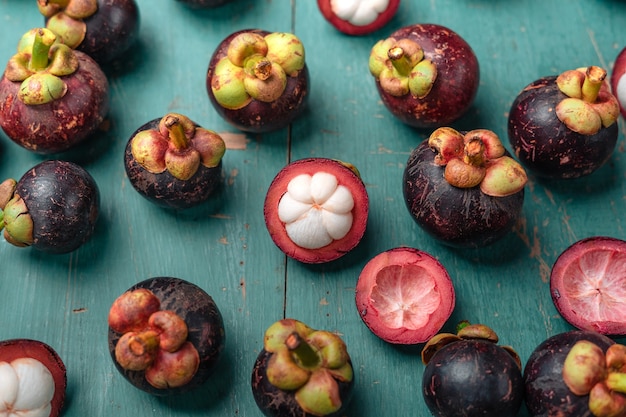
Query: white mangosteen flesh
(621, 91)
(359, 12)
(316, 210)
(26, 389)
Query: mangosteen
(53, 208)
(204, 4)
(587, 282)
(166, 335)
(173, 162)
(618, 81)
(33, 379)
(257, 80)
(316, 209)
(358, 17)
(564, 126)
(427, 75)
(103, 29)
(463, 188)
(469, 374)
(404, 296)
(302, 372)
(546, 391)
(51, 97)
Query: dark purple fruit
(165, 336)
(173, 162)
(53, 207)
(469, 375)
(565, 127)
(103, 29)
(546, 391)
(302, 372)
(204, 4)
(32, 373)
(426, 74)
(51, 98)
(463, 189)
(258, 81)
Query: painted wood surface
(223, 246)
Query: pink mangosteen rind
(587, 284)
(351, 28)
(405, 268)
(346, 176)
(618, 81)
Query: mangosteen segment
(588, 106)
(358, 12)
(256, 66)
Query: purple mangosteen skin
(63, 201)
(258, 116)
(458, 76)
(545, 145)
(463, 218)
(59, 125)
(474, 378)
(204, 322)
(545, 391)
(274, 402)
(164, 189)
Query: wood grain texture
(223, 246)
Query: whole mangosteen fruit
(404, 296)
(257, 80)
(587, 284)
(173, 162)
(302, 372)
(51, 97)
(463, 188)
(618, 81)
(316, 209)
(546, 391)
(103, 29)
(33, 379)
(166, 335)
(427, 75)
(53, 208)
(358, 17)
(565, 126)
(469, 374)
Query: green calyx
(477, 158)
(14, 217)
(256, 67)
(178, 146)
(588, 370)
(66, 18)
(310, 363)
(589, 105)
(39, 65)
(401, 68)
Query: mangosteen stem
(593, 81)
(44, 38)
(176, 132)
(475, 153)
(304, 353)
(400, 60)
(259, 66)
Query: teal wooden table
(223, 246)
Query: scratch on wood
(535, 248)
(79, 310)
(233, 174)
(223, 240)
(242, 285)
(592, 38)
(323, 301)
(221, 216)
(235, 141)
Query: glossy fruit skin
(337, 248)
(204, 4)
(465, 218)
(164, 189)
(544, 145)
(545, 391)
(63, 201)
(560, 284)
(258, 116)
(404, 257)
(274, 402)
(457, 81)
(63, 123)
(28, 348)
(472, 377)
(348, 28)
(204, 322)
(618, 82)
